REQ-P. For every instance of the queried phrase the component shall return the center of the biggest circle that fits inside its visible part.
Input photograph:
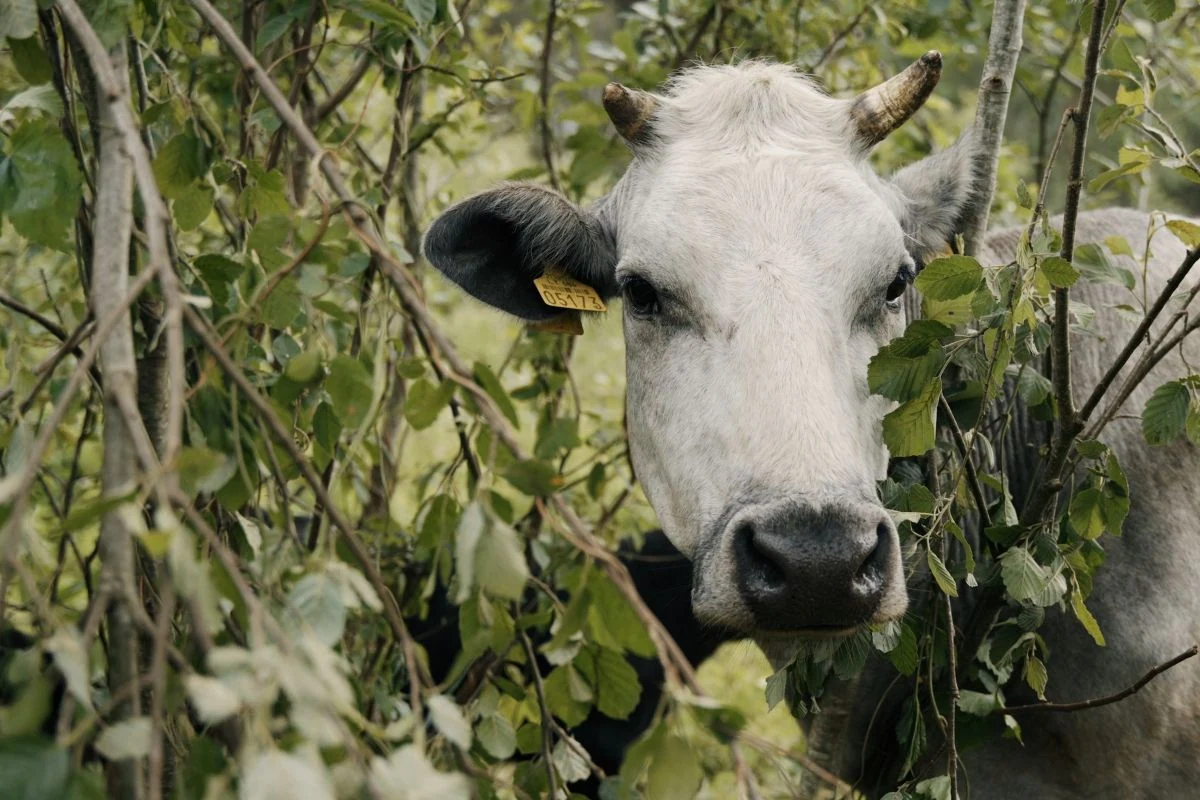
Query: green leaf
(1187, 232)
(675, 772)
(491, 384)
(350, 391)
(1086, 619)
(423, 11)
(617, 687)
(1034, 387)
(941, 575)
(1059, 272)
(1086, 513)
(977, 703)
(500, 566)
(37, 98)
(18, 18)
(935, 788)
(905, 656)
(318, 600)
(1165, 416)
(532, 477)
(33, 768)
(909, 430)
(1028, 581)
(497, 737)
(1160, 10)
(425, 401)
(192, 206)
(40, 184)
(1118, 246)
(949, 277)
(902, 379)
(1036, 675)
(30, 60)
(179, 163)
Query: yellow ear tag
(562, 291)
(567, 322)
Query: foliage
(273, 661)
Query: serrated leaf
(949, 277)
(1059, 272)
(901, 379)
(1086, 619)
(423, 11)
(909, 430)
(532, 477)
(127, 739)
(449, 719)
(1165, 416)
(616, 686)
(192, 206)
(1160, 10)
(904, 656)
(1036, 676)
(40, 184)
(941, 575)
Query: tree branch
(995, 88)
(1112, 698)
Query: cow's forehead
(748, 108)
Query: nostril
(760, 565)
(873, 567)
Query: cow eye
(640, 296)
(899, 284)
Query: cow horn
(629, 109)
(883, 108)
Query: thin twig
(544, 708)
(1109, 699)
(544, 94)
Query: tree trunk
(110, 282)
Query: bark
(110, 283)
(995, 87)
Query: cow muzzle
(816, 571)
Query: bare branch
(1109, 699)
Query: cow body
(761, 262)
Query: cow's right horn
(883, 108)
(629, 109)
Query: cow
(761, 262)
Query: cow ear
(936, 194)
(494, 244)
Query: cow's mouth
(815, 632)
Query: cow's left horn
(629, 109)
(880, 110)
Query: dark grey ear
(936, 194)
(494, 244)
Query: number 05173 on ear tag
(562, 291)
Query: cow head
(761, 263)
